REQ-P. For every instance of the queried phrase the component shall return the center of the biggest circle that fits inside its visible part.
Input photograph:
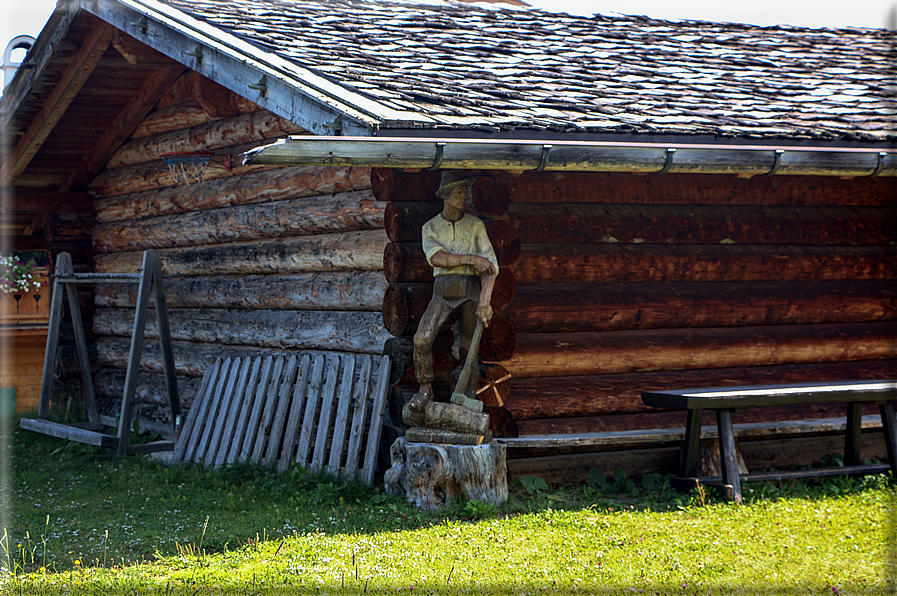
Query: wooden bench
(725, 400)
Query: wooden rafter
(54, 107)
(36, 224)
(123, 125)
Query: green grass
(87, 523)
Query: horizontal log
(151, 387)
(702, 224)
(153, 176)
(172, 118)
(499, 341)
(360, 332)
(589, 263)
(70, 225)
(404, 304)
(226, 132)
(344, 212)
(553, 308)
(596, 395)
(344, 251)
(404, 221)
(304, 291)
(191, 359)
(248, 188)
(694, 189)
(390, 184)
(575, 354)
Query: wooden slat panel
(341, 422)
(219, 421)
(359, 398)
(245, 408)
(280, 413)
(324, 417)
(267, 411)
(311, 406)
(379, 405)
(194, 418)
(213, 404)
(234, 412)
(295, 417)
(252, 427)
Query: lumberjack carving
(464, 264)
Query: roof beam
(121, 128)
(57, 103)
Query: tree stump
(435, 475)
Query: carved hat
(446, 191)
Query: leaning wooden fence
(322, 413)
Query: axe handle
(472, 354)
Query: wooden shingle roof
(527, 72)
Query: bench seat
(725, 400)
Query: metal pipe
(418, 153)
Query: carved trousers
(451, 293)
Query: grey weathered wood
(63, 266)
(852, 446)
(234, 412)
(210, 411)
(154, 447)
(252, 426)
(81, 349)
(328, 395)
(72, 433)
(164, 330)
(190, 430)
(359, 399)
(376, 424)
(341, 422)
(297, 408)
(280, 414)
(222, 417)
(267, 412)
(315, 386)
(728, 453)
(242, 417)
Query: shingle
(472, 67)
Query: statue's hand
(483, 266)
(484, 313)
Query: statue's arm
(443, 258)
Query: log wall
(616, 284)
(256, 259)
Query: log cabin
(674, 204)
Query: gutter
(572, 156)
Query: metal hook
(777, 164)
(437, 161)
(668, 161)
(881, 164)
(544, 161)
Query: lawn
(84, 522)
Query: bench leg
(691, 450)
(852, 437)
(890, 427)
(728, 453)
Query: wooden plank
(341, 421)
(193, 424)
(376, 424)
(328, 395)
(138, 331)
(63, 266)
(246, 407)
(315, 386)
(768, 395)
(258, 404)
(55, 105)
(360, 401)
(164, 330)
(154, 447)
(280, 413)
(72, 433)
(219, 421)
(47, 202)
(268, 404)
(213, 403)
(297, 408)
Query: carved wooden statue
(448, 451)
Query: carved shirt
(467, 236)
